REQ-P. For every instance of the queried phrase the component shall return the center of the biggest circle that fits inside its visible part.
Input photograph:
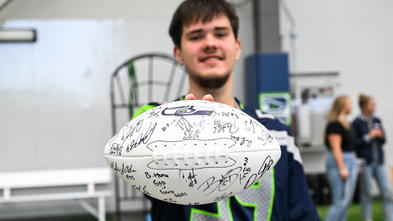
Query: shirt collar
(363, 117)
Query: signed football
(192, 152)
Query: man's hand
(376, 132)
(207, 97)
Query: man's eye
(195, 37)
(221, 34)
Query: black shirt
(335, 127)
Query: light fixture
(18, 35)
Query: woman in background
(369, 137)
(341, 165)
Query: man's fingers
(189, 97)
(208, 97)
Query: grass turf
(355, 212)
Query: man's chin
(211, 82)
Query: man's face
(371, 106)
(208, 51)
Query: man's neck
(222, 95)
(367, 115)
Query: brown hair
(194, 10)
(337, 112)
(363, 100)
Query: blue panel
(251, 82)
(265, 72)
(272, 72)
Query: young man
(369, 138)
(205, 36)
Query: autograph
(224, 182)
(143, 137)
(267, 163)
(221, 184)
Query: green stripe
(131, 70)
(272, 197)
(247, 205)
(217, 215)
(132, 77)
(144, 108)
(257, 185)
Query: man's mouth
(212, 58)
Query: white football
(192, 152)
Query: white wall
(57, 89)
(352, 37)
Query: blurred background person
(369, 137)
(341, 164)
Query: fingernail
(189, 97)
(208, 97)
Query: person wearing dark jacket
(369, 136)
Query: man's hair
(191, 11)
(363, 100)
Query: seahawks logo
(185, 111)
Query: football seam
(245, 151)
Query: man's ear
(238, 48)
(177, 54)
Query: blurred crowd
(355, 154)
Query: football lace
(194, 154)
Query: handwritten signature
(144, 137)
(115, 149)
(242, 140)
(190, 177)
(249, 126)
(234, 175)
(265, 166)
(131, 129)
(223, 196)
(221, 184)
(221, 127)
(265, 137)
(123, 169)
(183, 124)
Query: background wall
(353, 38)
(57, 89)
(54, 94)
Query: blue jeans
(382, 176)
(342, 190)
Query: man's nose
(210, 42)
